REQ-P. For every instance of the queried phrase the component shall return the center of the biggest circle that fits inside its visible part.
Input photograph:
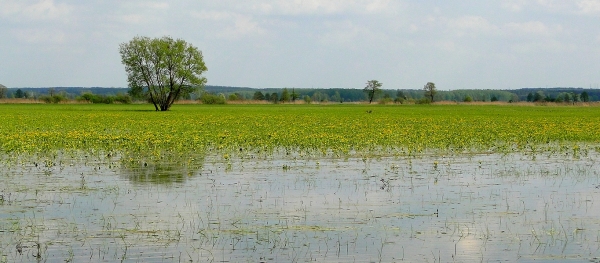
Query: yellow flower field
(339, 129)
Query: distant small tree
(430, 90)
(530, 97)
(274, 97)
(468, 99)
(514, 98)
(285, 95)
(258, 96)
(307, 99)
(319, 97)
(400, 97)
(539, 96)
(400, 94)
(232, 97)
(3, 91)
(575, 97)
(585, 97)
(294, 95)
(239, 96)
(19, 94)
(337, 97)
(559, 99)
(373, 87)
(494, 98)
(566, 97)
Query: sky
(466, 44)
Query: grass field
(322, 128)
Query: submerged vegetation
(338, 129)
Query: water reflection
(166, 170)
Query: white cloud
(589, 6)
(478, 26)
(514, 5)
(532, 29)
(309, 7)
(555, 5)
(550, 46)
(467, 24)
(232, 25)
(243, 26)
(37, 10)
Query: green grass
(334, 128)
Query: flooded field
(433, 208)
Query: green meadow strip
(340, 129)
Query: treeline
(58, 95)
(407, 96)
(220, 94)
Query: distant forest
(326, 95)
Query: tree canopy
(373, 87)
(430, 90)
(162, 69)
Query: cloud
(477, 25)
(471, 24)
(231, 25)
(531, 29)
(316, 7)
(555, 5)
(36, 11)
(589, 6)
(336, 6)
(514, 5)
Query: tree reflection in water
(167, 169)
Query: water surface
(461, 208)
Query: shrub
(53, 99)
(123, 98)
(423, 101)
(94, 98)
(208, 98)
(400, 100)
(385, 100)
(307, 99)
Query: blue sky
(464, 44)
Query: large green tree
(162, 69)
(373, 87)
